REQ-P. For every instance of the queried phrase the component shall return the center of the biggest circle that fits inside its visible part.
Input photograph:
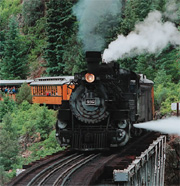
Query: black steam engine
(104, 104)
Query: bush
(3, 176)
(7, 105)
(32, 119)
(24, 94)
(46, 147)
(25, 122)
(165, 95)
(9, 146)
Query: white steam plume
(90, 13)
(168, 126)
(149, 36)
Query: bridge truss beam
(147, 169)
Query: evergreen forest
(42, 38)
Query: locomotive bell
(93, 59)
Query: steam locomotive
(105, 103)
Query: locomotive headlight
(89, 77)
(61, 124)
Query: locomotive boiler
(105, 103)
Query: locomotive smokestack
(93, 59)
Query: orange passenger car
(51, 90)
(10, 87)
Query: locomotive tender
(104, 104)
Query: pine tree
(73, 55)
(134, 12)
(14, 61)
(59, 28)
(2, 39)
(158, 4)
(32, 11)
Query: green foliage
(36, 37)
(7, 105)
(162, 78)
(158, 4)
(24, 94)
(14, 61)
(160, 95)
(169, 60)
(32, 119)
(8, 8)
(3, 175)
(76, 62)
(59, 27)
(137, 10)
(46, 147)
(111, 30)
(2, 40)
(9, 146)
(151, 64)
(128, 63)
(166, 105)
(25, 122)
(147, 64)
(134, 12)
(166, 92)
(32, 11)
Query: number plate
(90, 101)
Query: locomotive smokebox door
(93, 59)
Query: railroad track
(103, 166)
(59, 172)
(81, 168)
(34, 168)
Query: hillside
(50, 37)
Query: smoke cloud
(91, 13)
(168, 126)
(149, 36)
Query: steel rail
(73, 168)
(37, 165)
(97, 170)
(56, 169)
(48, 168)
